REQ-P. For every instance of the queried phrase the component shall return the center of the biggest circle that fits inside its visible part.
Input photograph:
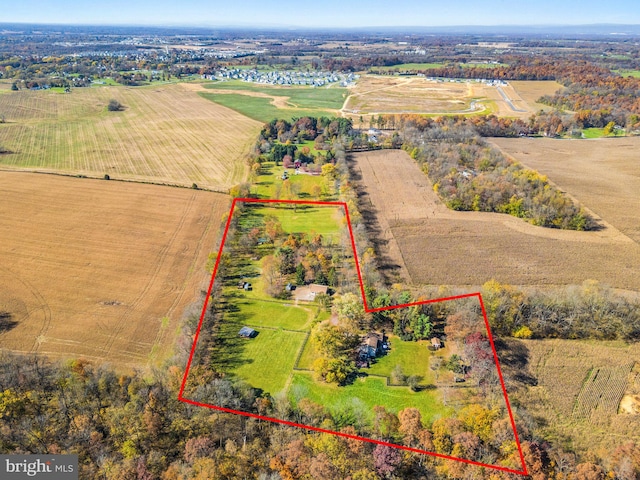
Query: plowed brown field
(603, 173)
(165, 134)
(100, 270)
(440, 246)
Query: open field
(628, 73)
(577, 389)
(531, 91)
(359, 398)
(166, 134)
(391, 94)
(100, 270)
(602, 174)
(265, 102)
(269, 184)
(373, 95)
(268, 359)
(435, 245)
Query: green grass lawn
(305, 184)
(268, 359)
(330, 98)
(307, 219)
(303, 101)
(413, 357)
(271, 314)
(270, 179)
(366, 393)
(260, 109)
(309, 355)
(593, 132)
(628, 73)
(312, 148)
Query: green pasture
(629, 73)
(365, 393)
(267, 360)
(413, 357)
(298, 97)
(270, 178)
(270, 314)
(312, 149)
(301, 101)
(299, 218)
(309, 355)
(260, 109)
(107, 82)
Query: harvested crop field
(578, 388)
(100, 270)
(603, 173)
(393, 94)
(165, 134)
(531, 90)
(440, 246)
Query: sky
(320, 13)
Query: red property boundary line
(368, 310)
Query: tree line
(597, 95)
(468, 174)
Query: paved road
(508, 100)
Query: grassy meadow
(269, 184)
(359, 398)
(264, 103)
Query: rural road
(508, 100)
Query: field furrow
(101, 270)
(165, 134)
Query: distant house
(436, 344)
(246, 332)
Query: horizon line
(316, 27)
